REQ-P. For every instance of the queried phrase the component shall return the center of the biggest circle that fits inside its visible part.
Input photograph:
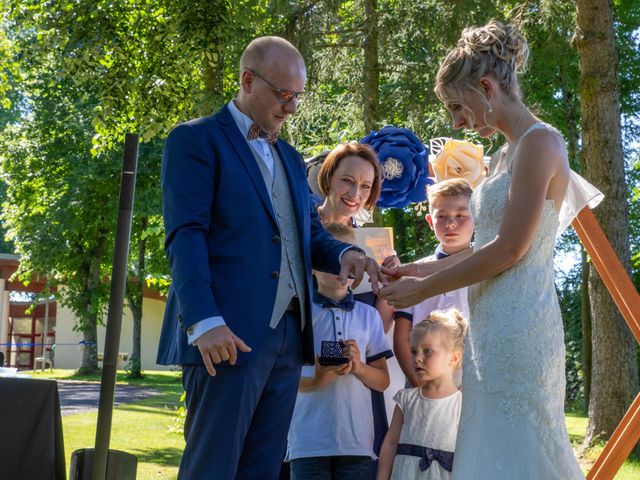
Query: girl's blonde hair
(497, 49)
(450, 322)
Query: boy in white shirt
(331, 432)
(452, 224)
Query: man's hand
(218, 345)
(357, 263)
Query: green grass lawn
(147, 428)
(141, 428)
(577, 426)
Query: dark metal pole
(116, 302)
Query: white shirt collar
(243, 121)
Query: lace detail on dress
(512, 420)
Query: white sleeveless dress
(512, 423)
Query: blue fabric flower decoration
(404, 161)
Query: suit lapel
(244, 153)
(296, 181)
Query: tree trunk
(90, 352)
(614, 370)
(135, 298)
(89, 320)
(371, 67)
(585, 314)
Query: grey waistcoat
(291, 281)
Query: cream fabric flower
(460, 159)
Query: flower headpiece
(404, 161)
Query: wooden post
(626, 297)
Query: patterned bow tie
(256, 132)
(427, 455)
(347, 303)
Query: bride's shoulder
(544, 139)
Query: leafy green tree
(57, 212)
(614, 378)
(91, 72)
(147, 263)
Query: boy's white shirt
(338, 419)
(444, 301)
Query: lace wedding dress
(512, 424)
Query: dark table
(31, 445)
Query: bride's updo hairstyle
(497, 49)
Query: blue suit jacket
(222, 238)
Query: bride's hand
(391, 261)
(424, 268)
(405, 292)
(394, 272)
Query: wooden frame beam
(626, 297)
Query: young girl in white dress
(422, 437)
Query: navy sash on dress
(427, 455)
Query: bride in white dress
(512, 420)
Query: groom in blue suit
(242, 240)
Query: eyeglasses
(283, 96)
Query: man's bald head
(263, 52)
(270, 66)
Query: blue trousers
(342, 467)
(237, 422)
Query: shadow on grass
(164, 378)
(167, 399)
(166, 404)
(168, 411)
(169, 456)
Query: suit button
(275, 274)
(275, 239)
(190, 330)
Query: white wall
(69, 355)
